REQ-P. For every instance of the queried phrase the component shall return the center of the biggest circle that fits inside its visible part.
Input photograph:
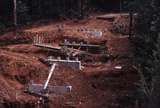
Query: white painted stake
(118, 67)
(15, 12)
(50, 74)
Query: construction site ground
(97, 85)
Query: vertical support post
(40, 39)
(37, 39)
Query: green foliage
(22, 12)
(148, 47)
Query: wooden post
(15, 12)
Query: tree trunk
(15, 12)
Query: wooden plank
(81, 45)
(50, 47)
(38, 89)
(75, 64)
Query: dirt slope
(98, 85)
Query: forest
(31, 10)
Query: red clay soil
(16, 70)
(98, 85)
